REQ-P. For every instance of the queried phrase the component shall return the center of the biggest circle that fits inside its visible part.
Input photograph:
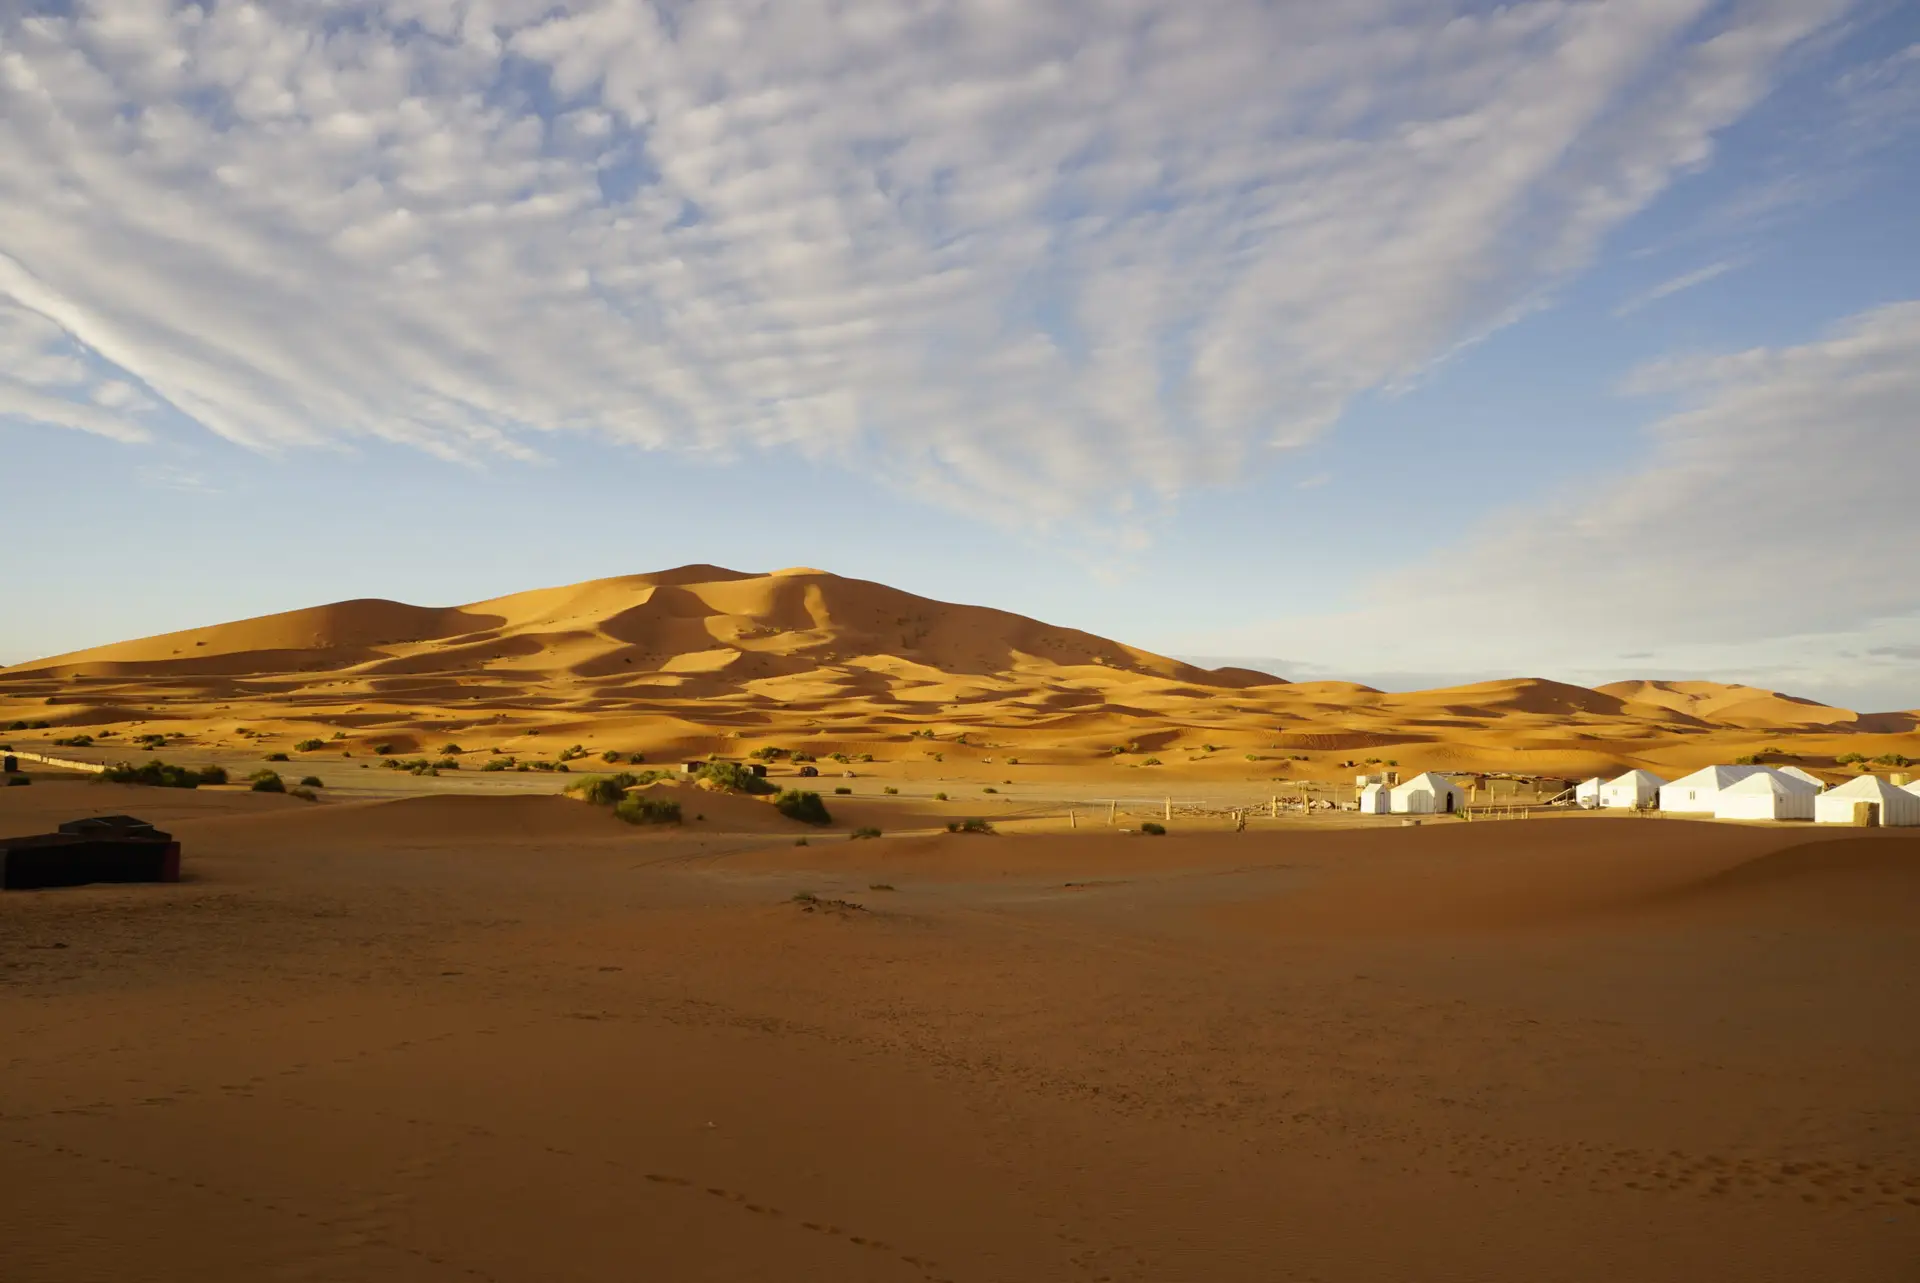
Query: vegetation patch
(159, 774)
(974, 825)
(640, 809)
(309, 746)
(802, 806)
(267, 782)
(1153, 828)
(731, 777)
(865, 831)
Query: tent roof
(1638, 777)
(1799, 774)
(1429, 779)
(1866, 786)
(1597, 779)
(1770, 782)
(1718, 777)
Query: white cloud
(1765, 531)
(1026, 257)
(1674, 285)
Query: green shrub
(1747, 759)
(865, 831)
(158, 774)
(603, 790)
(880, 886)
(939, 797)
(639, 809)
(276, 757)
(312, 782)
(448, 763)
(611, 755)
(451, 750)
(889, 789)
(864, 757)
(267, 782)
(1892, 759)
(383, 749)
(304, 794)
(1155, 828)
(635, 759)
(74, 741)
(843, 791)
(989, 789)
(766, 753)
(339, 735)
(499, 764)
(1152, 761)
(732, 777)
(309, 745)
(804, 757)
(975, 825)
(802, 806)
(1851, 759)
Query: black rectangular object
(71, 859)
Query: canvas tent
(1799, 774)
(1587, 792)
(1694, 794)
(1766, 795)
(1373, 799)
(1631, 791)
(1426, 794)
(1868, 800)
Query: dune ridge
(699, 657)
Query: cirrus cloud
(1032, 257)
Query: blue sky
(1406, 341)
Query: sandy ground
(508, 1038)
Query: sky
(1403, 341)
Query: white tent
(1766, 795)
(1426, 794)
(1587, 792)
(1799, 774)
(1373, 799)
(1631, 791)
(1694, 794)
(1888, 805)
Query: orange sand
(509, 1038)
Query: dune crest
(696, 657)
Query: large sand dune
(701, 659)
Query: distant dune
(697, 658)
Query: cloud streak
(1025, 257)
(1768, 535)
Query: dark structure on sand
(106, 848)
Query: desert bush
(267, 782)
(635, 759)
(499, 764)
(611, 755)
(304, 794)
(1155, 828)
(731, 777)
(1747, 759)
(1152, 761)
(312, 782)
(939, 797)
(880, 886)
(975, 825)
(448, 763)
(309, 745)
(383, 749)
(603, 790)
(543, 766)
(989, 789)
(805, 807)
(767, 753)
(1851, 759)
(864, 757)
(804, 757)
(451, 750)
(639, 809)
(158, 774)
(16, 726)
(1892, 759)
(276, 757)
(339, 735)
(889, 789)
(74, 741)
(865, 831)
(801, 842)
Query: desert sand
(704, 660)
(510, 1038)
